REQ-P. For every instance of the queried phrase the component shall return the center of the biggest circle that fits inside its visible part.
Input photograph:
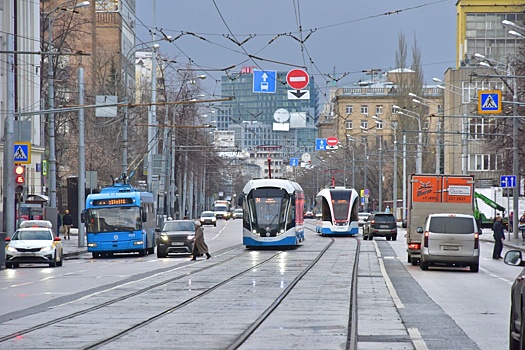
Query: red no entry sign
(332, 141)
(297, 79)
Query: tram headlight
(256, 233)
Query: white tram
(337, 211)
(273, 213)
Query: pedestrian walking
(199, 245)
(387, 210)
(59, 222)
(499, 237)
(67, 220)
(511, 221)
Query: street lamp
(515, 152)
(414, 115)
(393, 126)
(51, 103)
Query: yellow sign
(489, 102)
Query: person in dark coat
(499, 237)
(199, 245)
(67, 220)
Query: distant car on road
(308, 215)
(237, 214)
(362, 217)
(176, 237)
(450, 240)
(208, 218)
(380, 225)
(34, 243)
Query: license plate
(450, 247)
(177, 243)
(383, 226)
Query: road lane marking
(388, 282)
(417, 340)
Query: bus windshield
(113, 219)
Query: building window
(364, 124)
(379, 109)
(481, 128)
(379, 124)
(483, 162)
(364, 109)
(349, 109)
(349, 124)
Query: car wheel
(474, 267)
(370, 237)
(389, 237)
(215, 225)
(8, 265)
(414, 262)
(394, 237)
(423, 265)
(96, 255)
(160, 254)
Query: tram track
(228, 264)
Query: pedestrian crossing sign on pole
(489, 102)
(22, 152)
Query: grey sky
(348, 35)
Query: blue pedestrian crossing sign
(264, 81)
(320, 144)
(22, 152)
(294, 161)
(489, 102)
(507, 181)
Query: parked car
(380, 225)
(175, 237)
(308, 215)
(450, 240)
(34, 243)
(237, 214)
(208, 218)
(362, 217)
(517, 298)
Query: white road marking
(388, 282)
(418, 342)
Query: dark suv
(176, 237)
(380, 225)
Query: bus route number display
(116, 201)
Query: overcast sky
(341, 36)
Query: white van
(450, 240)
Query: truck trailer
(434, 194)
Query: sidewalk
(71, 246)
(509, 243)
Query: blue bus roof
(121, 191)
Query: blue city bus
(120, 219)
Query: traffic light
(20, 174)
(20, 180)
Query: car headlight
(164, 237)
(47, 248)
(10, 249)
(190, 237)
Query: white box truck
(434, 194)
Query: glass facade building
(251, 115)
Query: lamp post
(425, 102)
(464, 125)
(515, 152)
(51, 103)
(393, 126)
(416, 116)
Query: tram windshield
(341, 204)
(268, 206)
(113, 219)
